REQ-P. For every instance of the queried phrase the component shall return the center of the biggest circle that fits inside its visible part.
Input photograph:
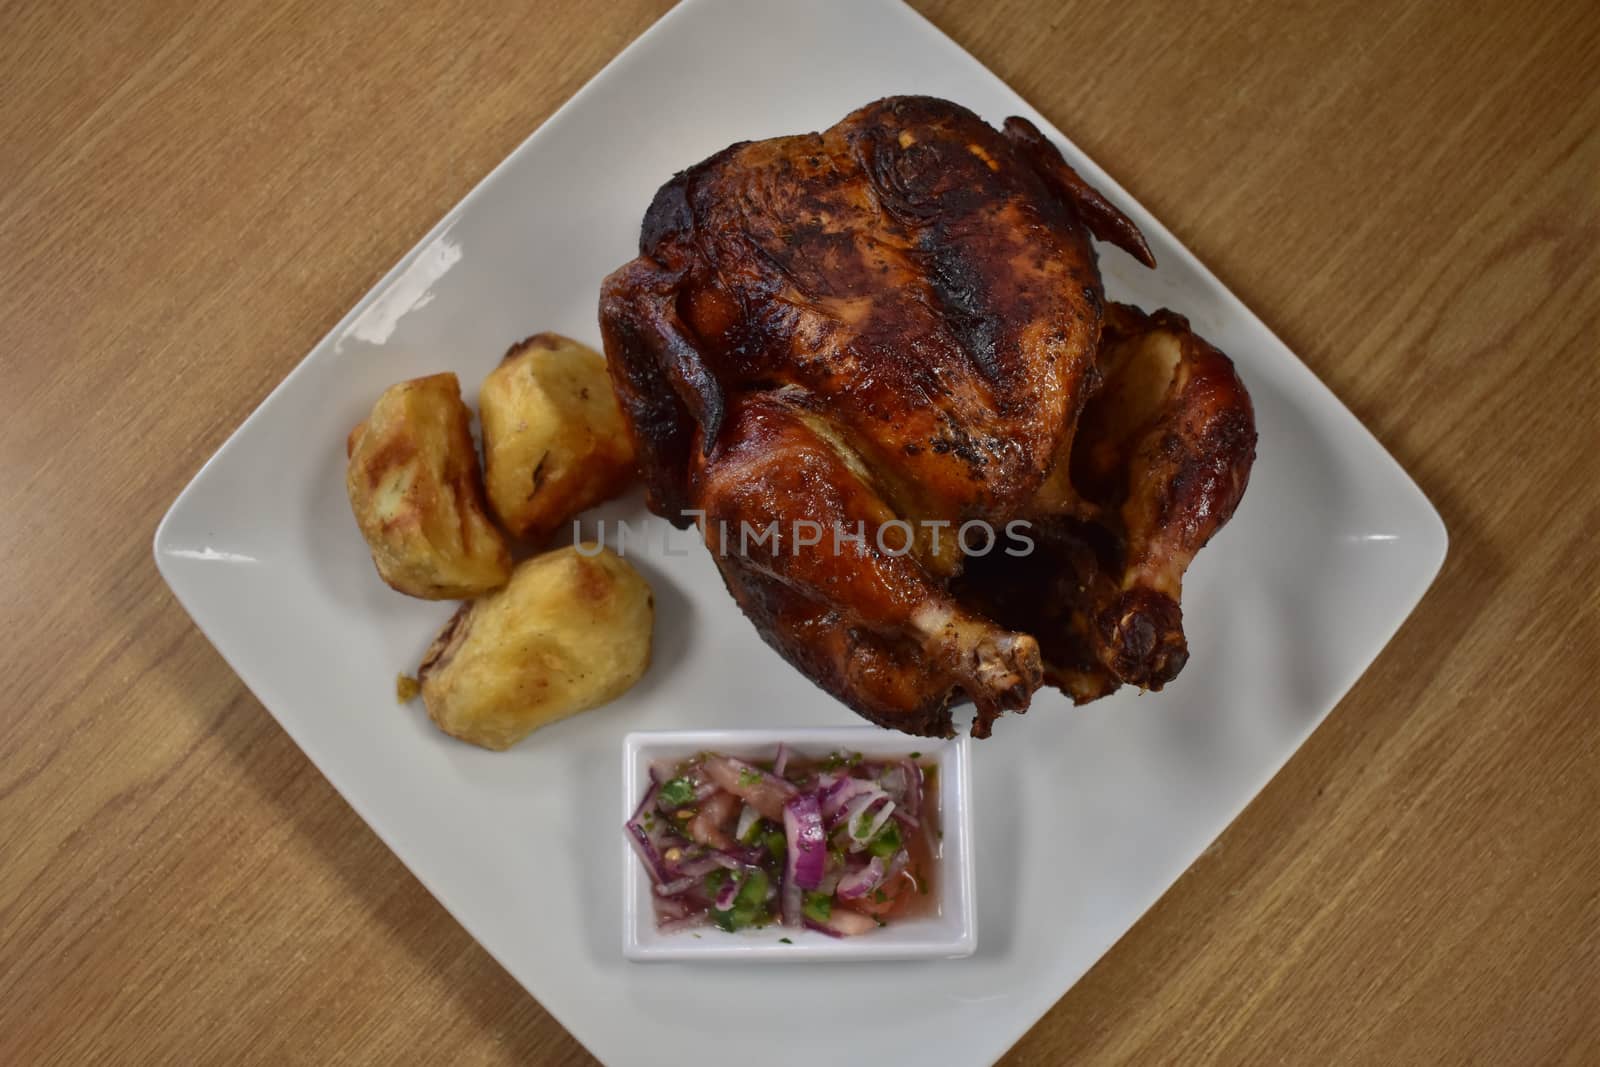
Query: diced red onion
(844, 792)
(913, 802)
(858, 883)
(878, 820)
(677, 885)
(671, 908)
(807, 848)
(644, 802)
(647, 852)
(858, 804)
(781, 760)
(728, 892)
(648, 842)
(660, 801)
(855, 815)
(692, 867)
(723, 860)
(701, 864)
(748, 857)
(747, 819)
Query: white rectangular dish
(950, 934)
(1085, 815)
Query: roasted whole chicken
(934, 465)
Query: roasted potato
(553, 439)
(415, 489)
(569, 632)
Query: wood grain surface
(191, 194)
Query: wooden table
(190, 198)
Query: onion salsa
(841, 844)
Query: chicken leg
(828, 571)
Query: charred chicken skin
(862, 340)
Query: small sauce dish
(945, 927)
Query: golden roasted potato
(569, 632)
(553, 439)
(415, 488)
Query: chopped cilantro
(916, 755)
(749, 776)
(677, 792)
(784, 941)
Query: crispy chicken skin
(900, 320)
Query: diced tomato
(851, 923)
(767, 793)
(713, 824)
(891, 892)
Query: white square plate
(948, 934)
(1083, 817)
